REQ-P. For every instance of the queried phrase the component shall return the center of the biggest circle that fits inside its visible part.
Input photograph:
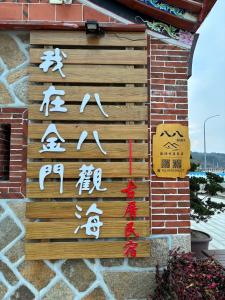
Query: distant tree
(194, 166)
(203, 208)
(213, 184)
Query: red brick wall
(15, 187)
(168, 104)
(43, 11)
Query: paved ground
(215, 227)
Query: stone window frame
(15, 187)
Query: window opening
(5, 133)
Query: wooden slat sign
(88, 146)
(171, 151)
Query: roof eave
(160, 15)
(192, 6)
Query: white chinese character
(52, 142)
(84, 135)
(80, 210)
(53, 57)
(47, 170)
(85, 179)
(93, 223)
(57, 102)
(86, 99)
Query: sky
(207, 84)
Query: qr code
(165, 163)
(177, 164)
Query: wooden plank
(79, 38)
(66, 210)
(70, 250)
(214, 252)
(79, 68)
(96, 56)
(91, 151)
(109, 169)
(92, 113)
(219, 258)
(70, 191)
(90, 74)
(65, 230)
(108, 94)
(106, 132)
(217, 255)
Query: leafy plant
(194, 166)
(202, 207)
(187, 278)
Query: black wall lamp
(93, 27)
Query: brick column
(170, 199)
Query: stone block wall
(91, 279)
(74, 279)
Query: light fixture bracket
(93, 27)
